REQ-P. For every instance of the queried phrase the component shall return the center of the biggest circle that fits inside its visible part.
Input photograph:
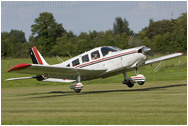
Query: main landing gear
(77, 87)
(139, 78)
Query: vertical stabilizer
(36, 56)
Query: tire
(129, 84)
(77, 90)
(124, 82)
(141, 82)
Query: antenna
(69, 55)
(59, 59)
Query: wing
(57, 72)
(151, 61)
(162, 58)
(45, 79)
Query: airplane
(100, 62)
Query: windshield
(108, 49)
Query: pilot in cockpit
(95, 56)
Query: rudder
(36, 56)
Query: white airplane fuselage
(115, 62)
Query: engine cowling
(144, 50)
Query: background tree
(121, 26)
(11, 43)
(46, 30)
(166, 36)
(20, 35)
(63, 46)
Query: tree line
(52, 39)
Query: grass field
(161, 100)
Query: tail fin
(37, 57)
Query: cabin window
(75, 62)
(68, 65)
(95, 55)
(85, 58)
(109, 49)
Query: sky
(85, 16)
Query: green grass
(161, 100)
(152, 104)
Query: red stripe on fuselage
(106, 58)
(37, 55)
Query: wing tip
(182, 53)
(19, 66)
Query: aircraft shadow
(69, 93)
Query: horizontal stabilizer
(20, 78)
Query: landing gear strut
(77, 87)
(139, 78)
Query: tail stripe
(37, 55)
(33, 56)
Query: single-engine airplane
(99, 62)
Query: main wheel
(124, 82)
(129, 84)
(77, 90)
(141, 82)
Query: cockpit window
(85, 58)
(109, 49)
(95, 55)
(68, 65)
(75, 62)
